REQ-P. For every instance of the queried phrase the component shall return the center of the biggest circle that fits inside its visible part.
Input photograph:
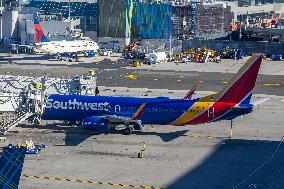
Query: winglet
(190, 93)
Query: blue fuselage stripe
(76, 108)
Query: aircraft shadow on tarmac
(104, 64)
(32, 58)
(75, 135)
(166, 137)
(234, 160)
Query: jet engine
(97, 124)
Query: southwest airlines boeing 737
(102, 113)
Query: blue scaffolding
(152, 20)
(77, 8)
(193, 19)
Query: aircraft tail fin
(11, 164)
(39, 34)
(239, 89)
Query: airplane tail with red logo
(39, 34)
(239, 89)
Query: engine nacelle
(95, 124)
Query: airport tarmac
(187, 157)
(190, 157)
(113, 71)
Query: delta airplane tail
(39, 34)
(11, 164)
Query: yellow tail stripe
(194, 111)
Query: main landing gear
(131, 126)
(128, 130)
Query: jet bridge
(23, 97)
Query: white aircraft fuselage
(58, 47)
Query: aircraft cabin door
(211, 112)
(117, 109)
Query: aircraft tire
(128, 131)
(107, 132)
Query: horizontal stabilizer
(245, 106)
(260, 101)
(242, 107)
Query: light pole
(69, 10)
(170, 45)
(1, 25)
(69, 13)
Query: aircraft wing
(120, 119)
(116, 119)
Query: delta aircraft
(104, 113)
(43, 44)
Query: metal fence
(248, 47)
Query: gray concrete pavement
(187, 157)
(112, 71)
(199, 156)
